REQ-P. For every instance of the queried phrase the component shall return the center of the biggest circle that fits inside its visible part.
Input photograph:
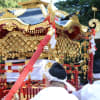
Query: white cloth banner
(53, 41)
(36, 74)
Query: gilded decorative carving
(68, 47)
(18, 44)
(10, 24)
(15, 44)
(62, 12)
(95, 22)
(84, 28)
(7, 14)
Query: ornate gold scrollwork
(95, 23)
(12, 23)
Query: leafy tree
(83, 6)
(10, 3)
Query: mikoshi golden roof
(20, 34)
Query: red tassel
(93, 31)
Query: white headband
(52, 78)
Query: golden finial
(94, 9)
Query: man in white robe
(56, 78)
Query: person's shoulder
(87, 86)
(82, 91)
(39, 95)
(46, 90)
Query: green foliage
(10, 3)
(83, 6)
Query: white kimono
(89, 92)
(54, 93)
